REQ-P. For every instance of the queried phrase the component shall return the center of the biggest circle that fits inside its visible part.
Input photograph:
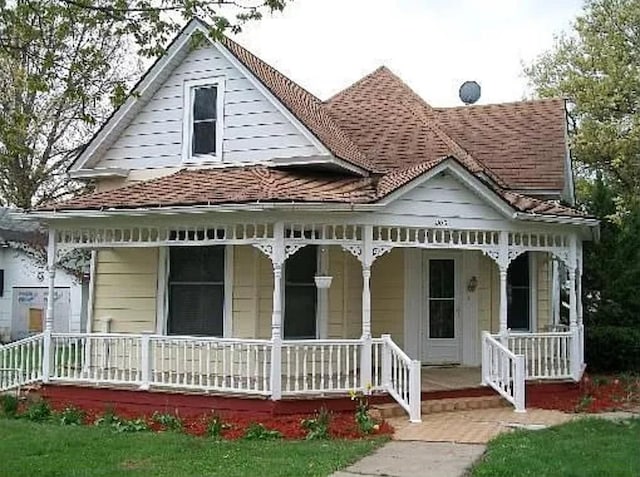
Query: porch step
(434, 406)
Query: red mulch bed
(592, 395)
(342, 424)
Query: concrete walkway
(416, 459)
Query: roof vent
(469, 92)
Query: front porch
(255, 360)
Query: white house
(24, 288)
(248, 237)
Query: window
(300, 293)
(442, 298)
(202, 123)
(519, 294)
(196, 291)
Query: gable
(441, 200)
(254, 128)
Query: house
(249, 238)
(23, 289)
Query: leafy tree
(597, 65)
(65, 64)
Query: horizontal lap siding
(245, 296)
(387, 296)
(544, 290)
(126, 284)
(254, 129)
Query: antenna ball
(469, 92)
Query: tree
(597, 66)
(64, 66)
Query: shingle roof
(263, 184)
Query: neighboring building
(23, 284)
(232, 203)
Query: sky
(434, 45)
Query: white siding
(254, 129)
(441, 197)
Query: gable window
(196, 291)
(300, 294)
(519, 294)
(202, 121)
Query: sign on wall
(29, 310)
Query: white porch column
(503, 266)
(579, 304)
(277, 260)
(48, 322)
(367, 260)
(576, 359)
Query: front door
(441, 330)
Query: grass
(34, 449)
(582, 448)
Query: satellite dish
(469, 92)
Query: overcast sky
(434, 45)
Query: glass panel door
(442, 302)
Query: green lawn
(583, 448)
(32, 449)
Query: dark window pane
(441, 319)
(301, 266)
(204, 103)
(204, 138)
(197, 264)
(300, 311)
(196, 291)
(300, 294)
(519, 294)
(196, 309)
(441, 278)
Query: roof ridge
(508, 103)
(432, 123)
(356, 83)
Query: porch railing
(503, 371)
(21, 363)
(242, 366)
(401, 377)
(546, 355)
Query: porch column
(503, 267)
(48, 321)
(575, 360)
(367, 260)
(579, 303)
(277, 259)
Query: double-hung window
(202, 120)
(196, 291)
(300, 294)
(519, 294)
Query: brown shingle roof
(524, 142)
(262, 184)
(304, 106)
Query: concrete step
(433, 406)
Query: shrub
(38, 411)
(257, 432)
(215, 426)
(170, 422)
(317, 427)
(72, 416)
(115, 422)
(9, 404)
(612, 348)
(365, 422)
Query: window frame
(283, 287)
(188, 96)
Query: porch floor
(447, 378)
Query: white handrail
(547, 355)
(21, 362)
(401, 378)
(504, 371)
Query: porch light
(323, 281)
(472, 284)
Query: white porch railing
(401, 377)
(546, 355)
(503, 371)
(242, 366)
(21, 363)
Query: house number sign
(442, 223)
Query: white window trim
(187, 120)
(162, 308)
